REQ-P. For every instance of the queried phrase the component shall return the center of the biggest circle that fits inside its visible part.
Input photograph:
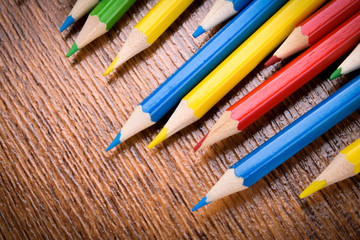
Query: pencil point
(313, 187)
(200, 204)
(72, 50)
(200, 30)
(111, 67)
(159, 138)
(274, 59)
(68, 21)
(198, 146)
(114, 143)
(336, 74)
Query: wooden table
(58, 115)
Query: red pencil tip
(200, 143)
(272, 60)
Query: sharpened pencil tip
(159, 138)
(336, 74)
(200, 204)
(313, 187)
(111, 67)
(197, 147)
(200, 30)
(274, 59)
(114, 143)
(72, 50)
(68, 21)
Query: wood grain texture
(58, 115)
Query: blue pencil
(169, 93)
(286, 143)
(80, 8)
(220, 11)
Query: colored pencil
(350, 64)
(286, 143)
(315, 27)
(80, 8)
(169, 93)
(101, 19)
(145, 33)
(286, 81)
(220, 11)
(345, 165)
(234, 68)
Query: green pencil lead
(336, 74)
(72, 50)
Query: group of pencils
(319, 32)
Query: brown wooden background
(58, 115)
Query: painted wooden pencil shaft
(220, 11)
(283, 83)
(169, 93)
(345, 165)
(350, 64)
(145, 33)
(235, 67)
(100, 20)
(80, 8)
(287, 142)
(315, 27)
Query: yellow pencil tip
(313, 187)
(111, 67)
(159, 138)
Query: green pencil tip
(72, 50)
(336, 74)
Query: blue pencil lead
(200, 204)
(114, 143)
(68, 21)
(200, 30)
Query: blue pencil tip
(115, 142)
(68, 21)
(200, 30)
(200, 204)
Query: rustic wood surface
(58, 115)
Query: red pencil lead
(200, 143)
(274, 59)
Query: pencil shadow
(20, 2)
(123, 69)
(117, 73)
(88, 50)
(240, 200)
(74, 29)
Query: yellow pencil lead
(111, 67)
(313, 187)
(159, 138)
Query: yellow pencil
(345, 165)
(234, 68)
(145, 33)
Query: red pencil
(315, 27)
(286, 81)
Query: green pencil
(100, 20)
